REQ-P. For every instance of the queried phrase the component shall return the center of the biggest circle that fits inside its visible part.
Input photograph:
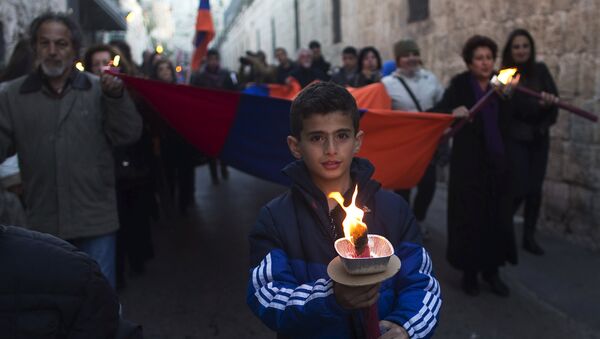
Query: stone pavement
(196, 285)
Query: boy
(292, 242)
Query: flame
(116, 60)
(79, 66)
(159, 49)
(353, 225)
(506, 75)
(178, 69)
(130, 17)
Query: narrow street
(196, 285)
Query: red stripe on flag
(202, 116)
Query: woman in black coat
(528, 140)
(480, 235)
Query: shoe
(531, 246)
(498, 286)
(470, 284)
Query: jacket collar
(36, 80)
(361, 171)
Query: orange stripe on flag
(371, 96)
(401, 144)
(287, 91)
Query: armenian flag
(249, 132)
(205, 32)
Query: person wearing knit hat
(405, 47)
(415, 89)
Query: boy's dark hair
(350, 50)
(322, 98)
(478, 41)
(212, 52)
(63, 18)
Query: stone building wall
(16, 15)
(567, 41)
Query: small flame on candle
(506, 75)
(116, 60)
(130, 16)
(353, 225)
(79, 66)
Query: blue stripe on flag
(257, 141)
(204, 4)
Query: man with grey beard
(63, 124)
(305, 74)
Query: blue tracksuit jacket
(292, 244)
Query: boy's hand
(353, 297)
(393, 330)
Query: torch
(504, 83)
(364, 259)
(506, 78)
(505, 86)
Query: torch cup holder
(381, 252)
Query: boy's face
(327, 145)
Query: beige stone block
(576, 35)
(578, 165)
(556, 200)
(562, 5)
(543, 7)
(561, 129)
(555, 159)
(552, 37)
(580, 202)
(582, 131)
(567, 76)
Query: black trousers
(529, 160)
(425, 192)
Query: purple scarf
(491, 131)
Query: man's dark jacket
(49, 289)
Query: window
(2, 46)
(257, 39)
(297, 24)
(337, 22)
(273, 36)
(418, 10)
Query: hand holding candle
(363, 297)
